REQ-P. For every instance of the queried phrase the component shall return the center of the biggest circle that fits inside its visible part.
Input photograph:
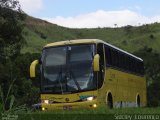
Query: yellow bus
(89, 73)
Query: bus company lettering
(122, 117)
(136, 117)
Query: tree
(11, 28)
(11, 41)
(152, 68)
(115, 25)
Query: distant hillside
(38, 33)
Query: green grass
(103, 110)
(38, 33)
(88, 114)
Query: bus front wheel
(109, 101)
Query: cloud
(103, 18)
(134, 8)
(31, 6)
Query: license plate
(67, 107)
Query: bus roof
(85, 41)
(69, 42)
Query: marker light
(94, 105)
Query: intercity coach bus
(89, 73)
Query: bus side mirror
(96, 66)
(33, 68)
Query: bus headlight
(90, 98)
(45, 101)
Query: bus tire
(109, 101)
(138, 101)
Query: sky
(94, 13)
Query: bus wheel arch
(138, 100)
(109, 100)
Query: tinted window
(80, 53)
(123, 61)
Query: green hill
(39, 32)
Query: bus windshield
(67, 69)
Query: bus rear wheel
(109, 101)
(138, 101)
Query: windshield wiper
(59, 78)
(74, 78)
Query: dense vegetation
(22, 38)
(15, 86)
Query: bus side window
(123, 61)
(137, 67)
(113, 55)
(120, 60)
(116, 59)
(141, 68)
(108, 56)
(126, 63)
(132, 65)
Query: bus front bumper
(68, 106)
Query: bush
(152, 68)
(151, 36)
